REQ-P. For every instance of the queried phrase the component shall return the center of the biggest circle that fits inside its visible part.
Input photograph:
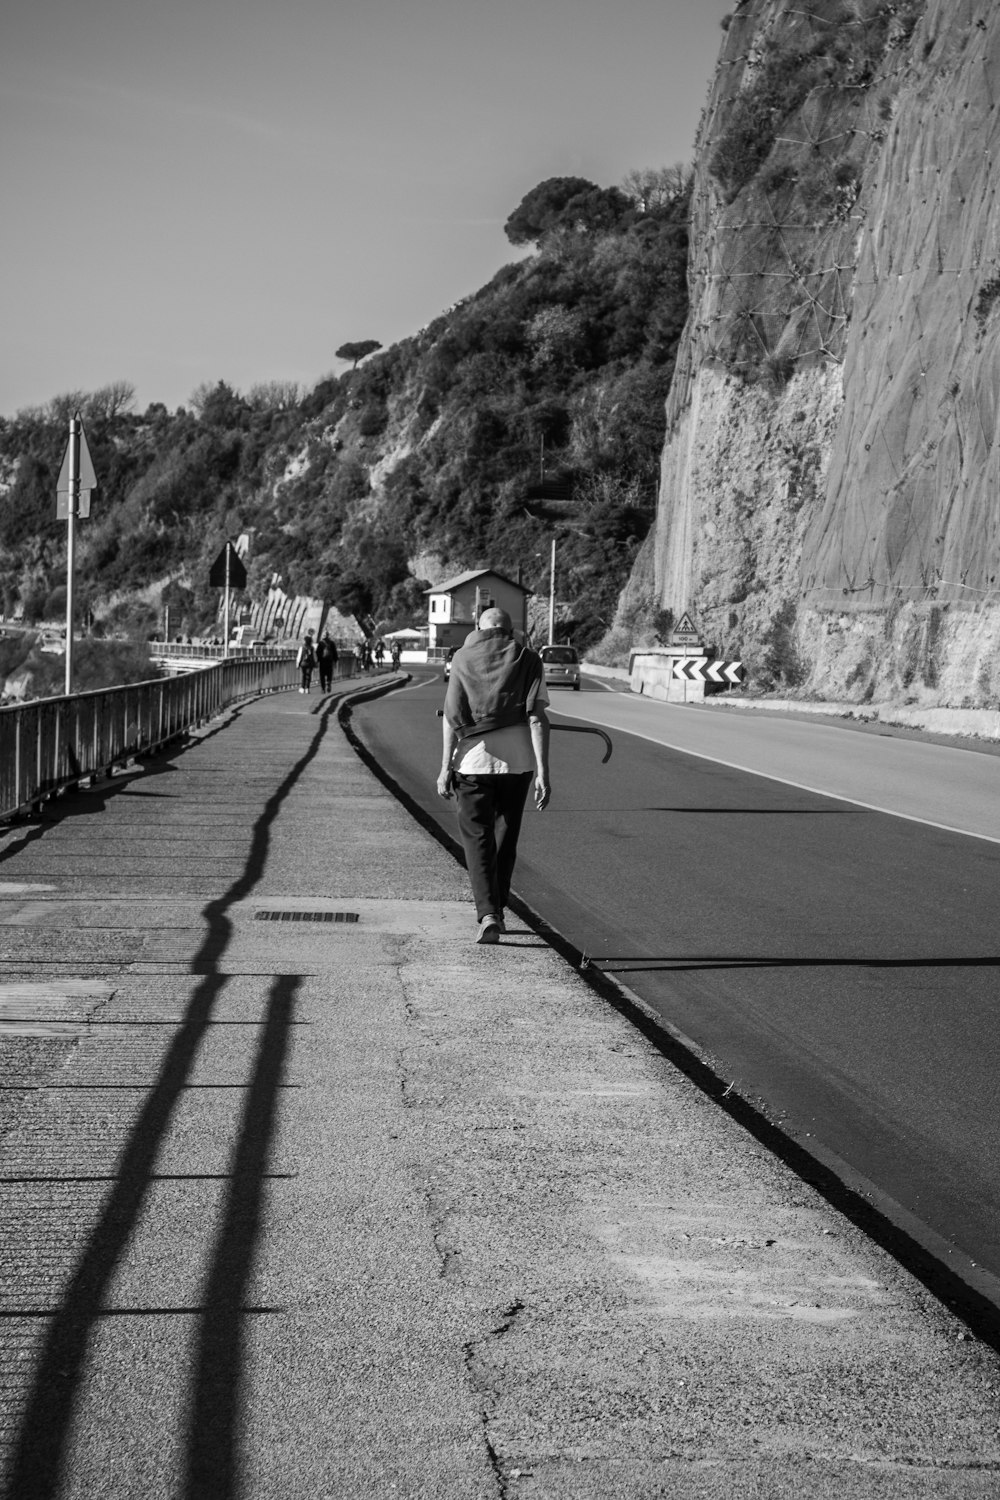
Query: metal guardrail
(204, 651)
(52, 743)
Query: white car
(562, 667)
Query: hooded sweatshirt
(491, 677)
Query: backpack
(308, 655)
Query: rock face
(830, 496)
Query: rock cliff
(829, 502)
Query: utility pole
(225, 607)
(74, 487)
(72, 504)
(552, 593)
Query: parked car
(562, 667)
(447, 661)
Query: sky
(203, 190)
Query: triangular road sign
(88, 481)
(685, 626)
(237, 573)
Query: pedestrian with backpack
(306, 662)
(326, 659)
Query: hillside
(415, 465)
(827, 504)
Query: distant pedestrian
(306, 662)
(495, 739)
(379, 652)
(396, 654)
(326, 658)
(366, 653)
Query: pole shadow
(213, 1448)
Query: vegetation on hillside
(844, 51)
(556, 371)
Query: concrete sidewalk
(354, 1207)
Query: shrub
(663, 624)
(777, 175)
(102, 664)
(33, 598)
(988, 294)
(373, 420)
(14, 651)
(783, 82)
(780, 661)
(776, 370)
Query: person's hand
(444, 787)
(542, 793)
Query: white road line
(803, 786)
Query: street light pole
(73, 502)
(552, 593)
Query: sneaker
(489, 929)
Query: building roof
(450, 584)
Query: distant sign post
(73, 490)
(685, 632)
(227, 572)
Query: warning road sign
(702, 669)
(228, 570)
(87, 480)
(685, 632)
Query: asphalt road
(840, 964)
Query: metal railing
(53, 743)
(206, 650)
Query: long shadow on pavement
(213, 1437)
(39, 1457)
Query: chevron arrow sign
(701, 669)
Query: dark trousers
(490, 809)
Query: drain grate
(307, 916)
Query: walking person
(306, 662)
(326, 659)
(379, 652)
(397, 652)
(495, 743)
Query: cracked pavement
(348, 1209)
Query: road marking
(803, 786)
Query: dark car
(562, 667)
(447, 661)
